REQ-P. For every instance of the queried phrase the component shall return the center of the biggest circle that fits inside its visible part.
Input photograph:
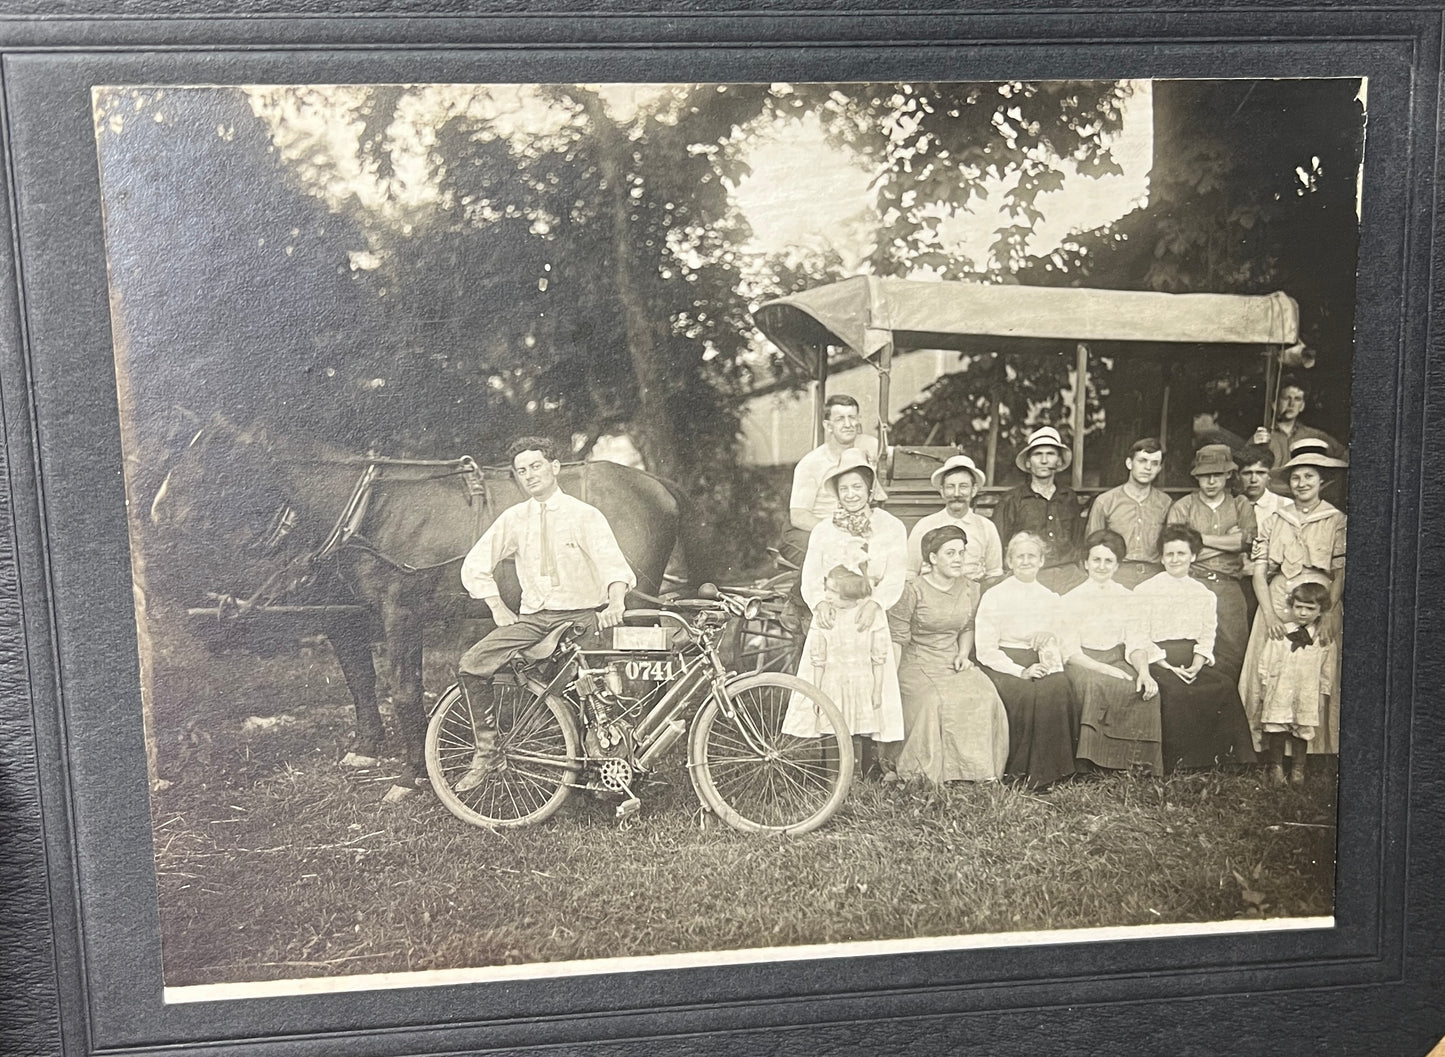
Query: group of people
(1058, 637)
(1136, 632)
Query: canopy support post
(990, 459)
(820, 396)
(1164, 420)
(1271, 385)
(885, 375)
(1081, 408)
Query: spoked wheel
(525, 775)
(765, 642)
(759, 779)
(770, 641)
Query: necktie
(1299, 638)
(549, 562)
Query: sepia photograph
(585, 528)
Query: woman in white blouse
(1017, 645)
(1100, 627)
(1201, 717)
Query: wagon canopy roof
(865, 313)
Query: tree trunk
(658, 432)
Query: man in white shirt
(1255, 462)
(568, 562)
(958, 481)
(809, 502)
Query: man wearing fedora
(1226, 524)
(1136, 510)
(1047, 508)
(958, 481)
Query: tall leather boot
(477, 692)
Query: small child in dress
(1295, 683)
(848, 663)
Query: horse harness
(346, 531)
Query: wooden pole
(885, 373)
(1081, 410)
(990, 459)
(820, 395)
(1164, 421)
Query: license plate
(649, 671)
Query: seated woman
(1201, 718)
(1100, 626)
(847, 647)
(1017, 645)
(955, 725)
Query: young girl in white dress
(849, 662)
(1294, 682)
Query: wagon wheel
(771, 641)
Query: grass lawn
(275, 862)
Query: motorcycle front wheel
(523, 777)
(756, 777)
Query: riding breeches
(499, 644)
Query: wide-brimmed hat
(852, 459)
(1212, 458)
(957, 462)
(1047, 437)
(1310, 451)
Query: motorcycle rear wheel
(757, 778)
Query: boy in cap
(1136, 510)
(1227, 526)
(1047, 508)
(958, 481)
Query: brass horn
(1297, 355)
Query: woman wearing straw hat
(1303, 541)
(847, 651)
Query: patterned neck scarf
(859, 523)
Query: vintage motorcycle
(568, 716)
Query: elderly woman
(1202, 722)
(1016, 642)
(848, 653)
(1099, 620)
(1301, 542)
(956, 726)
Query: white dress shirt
(585, 555)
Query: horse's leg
(351, 642)
(403, 629)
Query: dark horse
(266, 521)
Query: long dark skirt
(1118, 728)
(1231, 623)
(1202, 723)
(1043, 722)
